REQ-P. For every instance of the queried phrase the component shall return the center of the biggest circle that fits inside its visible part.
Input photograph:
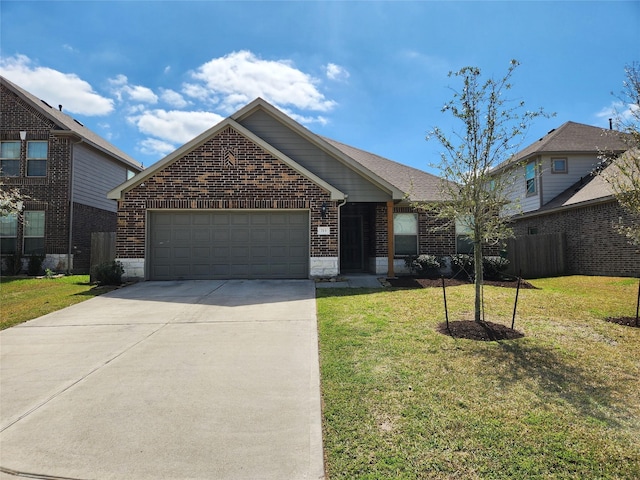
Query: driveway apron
(171, 380)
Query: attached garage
(194, 245)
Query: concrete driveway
(166, 380)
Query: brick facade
(228, 171)
(434, 238)
(593, 245)
(51, 192)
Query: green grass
(402, 401)
(23, 299)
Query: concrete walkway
(170, 380)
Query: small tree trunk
(477, 265)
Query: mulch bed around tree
(626, 321)
(415, 282)
(481, 331)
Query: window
(558, 165)
(130, 174)
(530, 178)
(33, 233)
(10, 159)
(8, 234)
(464, 244)
(405, 230)
(37, 159)
(532, 230)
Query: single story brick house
(260, 196)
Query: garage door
(228, 244)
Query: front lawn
(23, 299)
(402, 401)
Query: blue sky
(150, 75)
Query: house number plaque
(324, 230)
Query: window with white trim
(10, 159)
(37, 153)
(558, 165)
(33, 233)
(8, 234)
(530, 178)
(405, 233)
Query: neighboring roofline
(117, 193)
(560, 208)
(318, 141)
(65, 129)
(517, 160)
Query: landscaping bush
(109, 273)
(462, 264)
(35, 265)
(494, 267)
(423, 265)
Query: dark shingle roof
(572, 137)
(418, 185)
(67, 123)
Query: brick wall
(227, 171)
(48, 193)
(593, 246)
(433, 239)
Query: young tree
(492, 128)
(622, 173)
(11, 200)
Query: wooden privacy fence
(537, 255)
(103, 249)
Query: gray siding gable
(313, 158)
(95, 174)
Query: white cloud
(174, 125)
(336, 72)
(54, 87)
(153, 146)
(137, 93)
(173, 98)
(240, 77)
(618, 111)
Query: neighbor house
(260, 196)
(66, 171)
(558, 191)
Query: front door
(351, 247)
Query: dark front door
(351, 248)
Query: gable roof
(117, 192)
(320, 142)
(68, 124)
(571, 137)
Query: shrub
(426, 265)
(35, 265)
(109, 273)
(462, 263)
(494, 267)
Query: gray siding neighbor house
(559, 193)
(66, 170)
(261, 196)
